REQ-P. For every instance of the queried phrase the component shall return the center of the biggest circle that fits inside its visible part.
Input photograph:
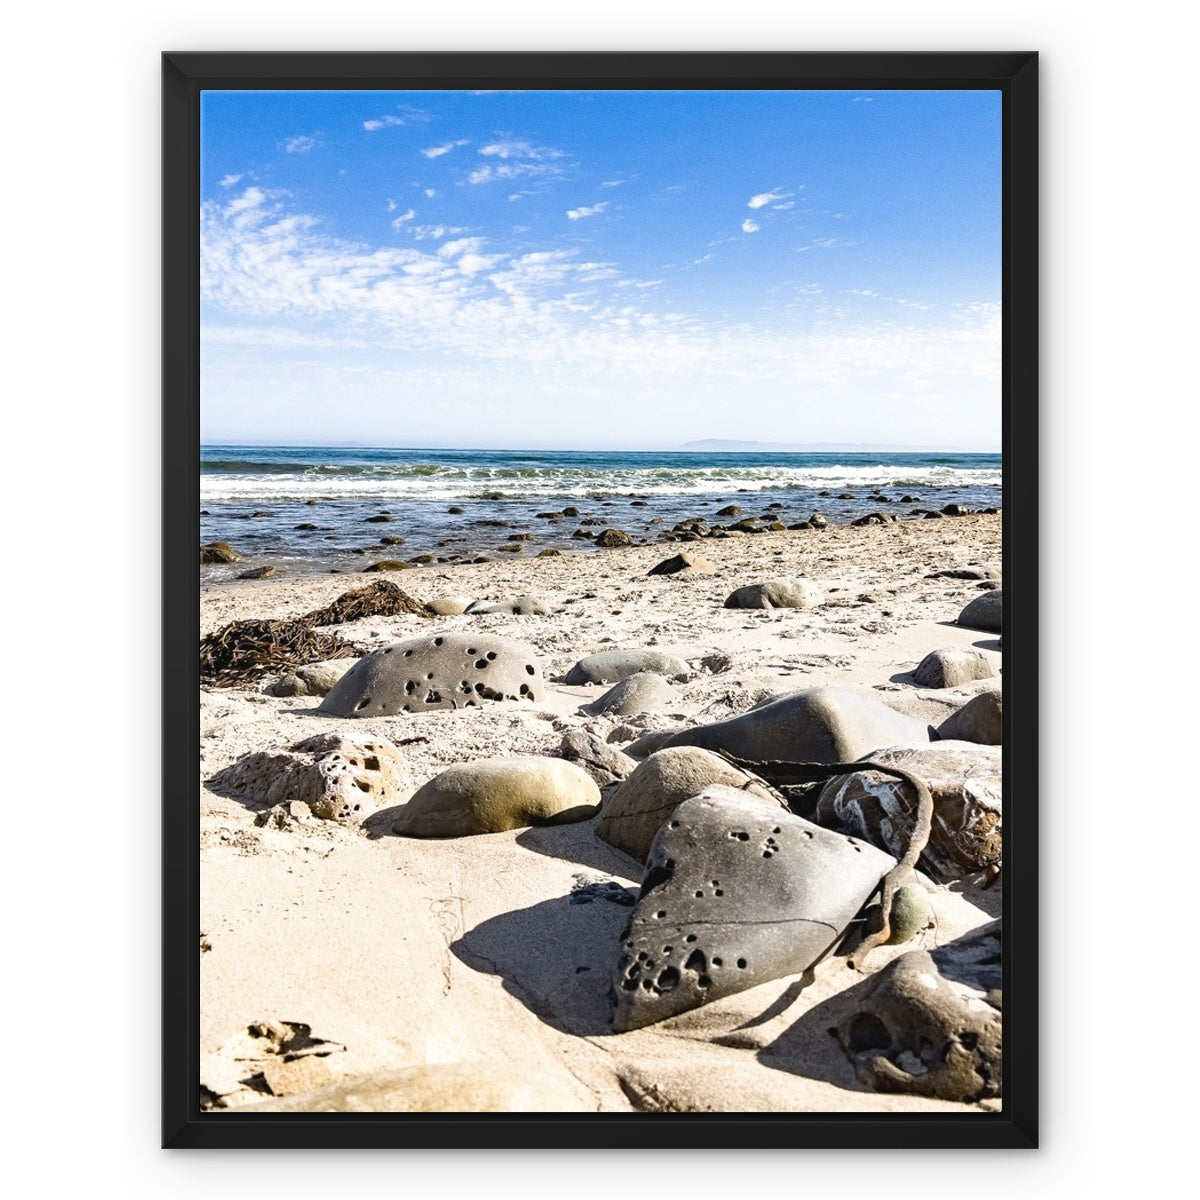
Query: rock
(684, 563)
(984, 612)
(492, 795)
(611, 666)
(735, 894)
(450, 670)
(391, 540)
(953, 668)
(636, 810)
(604, 763)
(613, 537)
(816, 521)
(338, 778)
(828, 725)
(980, 720)
(258, 573)
(965, 781)
(974, 572)
(777, 593)
(521, 606)
(315, 679)
(491, 1087)
(219, 552)
(549, 552)
(570, 511)
(730, 510)
(910, 913)
(386, 564)
(455, 509)
(642, 692)
(956, 510)
(450, 606)
(929, 1023)
(382, 518)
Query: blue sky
(601, 269)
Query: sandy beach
(344, 966)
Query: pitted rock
(965, 781)
(611, 666)
(636, 810)
(930, 1024)
(953, 668)
(492, 795)
(643, 692)
(735, 894)
(777, 593)
(827, 725)
(522, 606)
(449, 670)
(338, 778)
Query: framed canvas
(617, 599)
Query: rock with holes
(636, 810)
(315, 679)
(735, 894)
(684, 564)
(984, 612)
(611, 666)
(981, 720)
(340, 779)
(604, 763)
(642, 692)
(929, 1023)
(449, 670)
(827, 725)
(522, 606)
(953, 668)
(777, 593)
(965, 782)
(492, 795)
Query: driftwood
(783, 775)
(242, 650)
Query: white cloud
(230, 180)
(421, 232)
(785, 206)
(400, 220)
(430, 193)
(513, 148)
(611, 183)
(825, 243)
(444, 148)
(299, 145)
(749, 226)
(383, 123)
(461, 246)
(391, 205)
(576, 214)
(764, 198)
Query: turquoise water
(255, 497)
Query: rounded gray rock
(984, 612)
(521, 606)
(735, 894)
(826, 725)
(449, 670)
(637, 808)
(450, 606)
(980, 720)
(953, 668)
(492, 795)
(643, 692)
(314, 679)
(611, 666)
(777, 593)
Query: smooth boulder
(492, 795)
(643, 692)
(611, 666)
(826, 725)
(315, 679)
(604, 763)
(985, 612)
(735, 894)
(522, 606)
(777, 593)
(449, 670)
(965, 782)
(980, 720)
(634, 813)
(953, 668)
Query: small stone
(685, 563)
(258, 573)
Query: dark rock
(980, 720)
(391, 540)
(611, 666)
(450, 670)
(381, 518)
(386, 564)
(611, 538)
(956, 510)
(307, 525)
(258, 573)
(735, 894)
(454, 508)
(984, 612)
(219, 552)
(570, 511)
(930, 1024)
(816, 521)
(730, 510)
(827, 725)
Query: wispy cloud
(611, 183)
(749, 226)
(299, 145)
(517, 148)
(421, 232)
(444, 148)
(383, 123)
(404, 217)
(765, 198)
(516, 170)
(229, 180)
(577, 214)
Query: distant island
(724, 445)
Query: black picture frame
(184, 76)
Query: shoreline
(415, 954)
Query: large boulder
(953, 668)
(984, 612)
(340, 779)
(611, 666)
(965, 782)
(735, 894)
(492, 795)
(929, 1023)
(981, 720)
(777, 593)
(637, 808)
(826, 725)
(449, 670)
(643, 692)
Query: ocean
(316, 510)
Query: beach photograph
(601, 602)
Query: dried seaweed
(383, 599)
(242, 650)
